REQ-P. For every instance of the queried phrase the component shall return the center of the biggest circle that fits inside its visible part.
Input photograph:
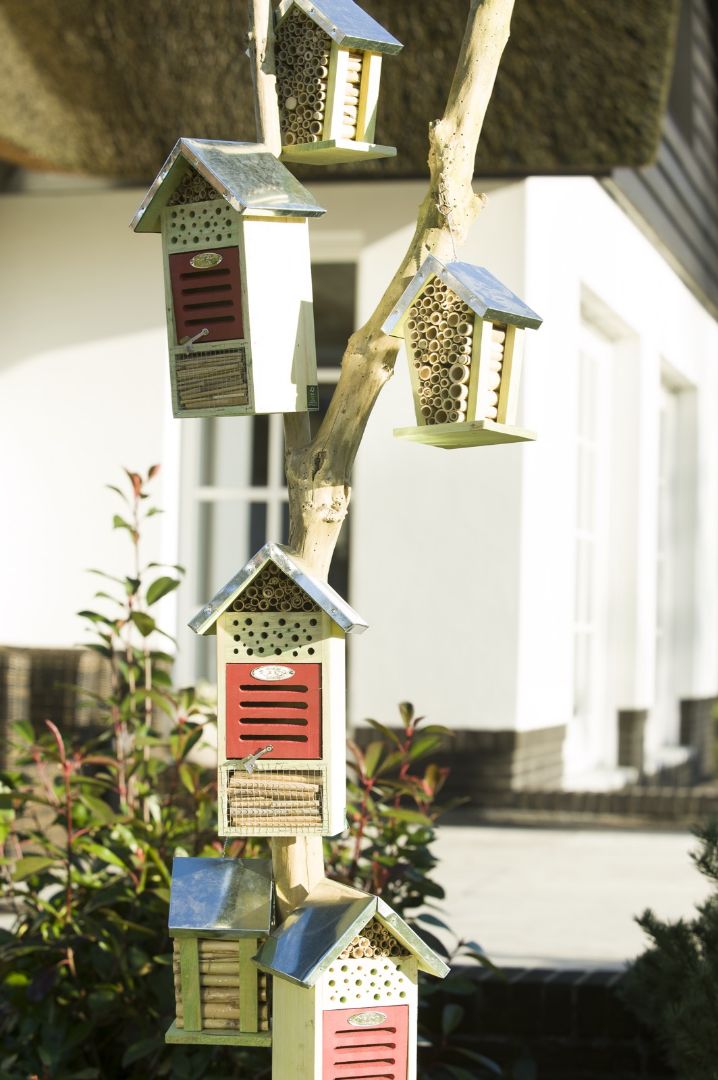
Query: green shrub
(673, 986)
(89, 832)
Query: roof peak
(314, 934)
(348, 620)
(247, 175)
(477, 287)
(346, 23)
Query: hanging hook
(250, 763)
(190, 341)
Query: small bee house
(328, 60)
(221, 910)
(463, 332)
(345, 971)
(281, 698)
(238, 284)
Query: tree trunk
(319, 470)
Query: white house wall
(83, 391)
(585, 260)
(462, 561)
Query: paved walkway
(563, 897)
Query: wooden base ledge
(218, 1038)
(473, 433)
(335, 152)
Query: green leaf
(104, 813)
(153, 510)
(424, 744)
(31, 864)
(372, 757)
(187, 777)
(481, 1059)
(144, 623)
(161, 587)
(451, 1016)
(118, 491)
(385, 731)
(120, 523)
(431, 920)
(413, 817)
(103, 853)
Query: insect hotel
(281, 698)
(345, 971)
(238, 285)
(328, 59)
(463, 332)
(221, 911)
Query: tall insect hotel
(333, 988)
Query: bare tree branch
(261, 49)
(319, 474)
(319, 471)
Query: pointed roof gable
(227, 898)
(478, 288)
(247, 175)
(205, 621)
(313, 936)
(346, 23)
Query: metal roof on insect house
(345, 971)
(281, 688)
(328, 60)
(238, 286)
(221, 911)
(463, 331)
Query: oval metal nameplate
(367, 1019)
(272, 673)
(206, 260)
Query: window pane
(334, 287)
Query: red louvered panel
(277, 705)
(207, 296)
(366, 1044)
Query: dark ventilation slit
(288, 722)
(206, 289)
(211, 319)
(274, 704)
(276, 738)
(292, 688)
(221, 271)
(204, 304)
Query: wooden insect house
(328, 59)
(281, 698)
(463, 332)
(345, 971)
(238, 285)
(221, 911)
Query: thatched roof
(107, 87)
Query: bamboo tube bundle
(273, 591)
(280, 800)
(441, 352)
(487, 402)
(205, 379)
(374, 941)
(219, 986)
(302, 59)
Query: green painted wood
(248, 985)
(455, 436)
(217, 1038)
(335, 152)
(189, 978)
